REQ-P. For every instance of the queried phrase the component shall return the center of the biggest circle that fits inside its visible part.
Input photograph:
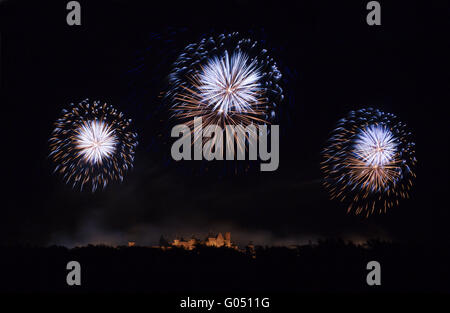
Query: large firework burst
(92, 144)
(225, 80)
(369, 161)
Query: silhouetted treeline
(327, 266)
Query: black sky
(332, 63)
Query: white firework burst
(230, 83)
(224, 80)
(95, 141)
(374, 164)
(92, 144)
(369, 161)
(376, 146)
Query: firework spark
(224, 80)
(92, 144)
(369, 161)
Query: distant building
(210, 241)
(131, 243)
(181, 243)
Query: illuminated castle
(181, 243)
(211, 241)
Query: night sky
(332, 62)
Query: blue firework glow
(369, 161)
(92, 144)
(225, 80)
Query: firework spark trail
(369, 161)
(225, 80)
(92, 145)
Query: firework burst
(92, 145)
(369, 161)
(225, 80)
